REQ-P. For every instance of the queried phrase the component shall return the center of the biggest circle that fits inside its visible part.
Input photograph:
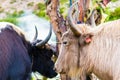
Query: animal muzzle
(59, 69)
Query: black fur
(18, 57)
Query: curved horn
(36, 34)
(46, 39)
(73, 26)
(92, 19)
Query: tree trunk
(56, 19)
(105, 2)
(58, 23)
(83, 7)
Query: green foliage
(64, 5)
(30, 4)
(32, 78)
(12, 20)
(62, 10)
(94, 1)
(114, 0)
(41, 11)
(63, 1)
(107, 13)
(41, 6)
(15, 14)
(12, 17)
(12, 1)
(112, 15)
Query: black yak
(19, 57)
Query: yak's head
(71, 56)
(42, 54)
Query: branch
(58, 23)
(56, 19)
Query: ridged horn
(91, 17)
(43, 42)
(73, 26)
(36, 34)
(93, 24)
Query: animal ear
(85, 39)
(88, 38)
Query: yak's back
(14, 58)
(111, 26)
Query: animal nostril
(56, 70)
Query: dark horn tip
(43, 42)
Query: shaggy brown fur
(101, 56)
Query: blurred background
(26, 14)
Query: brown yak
(85, 50)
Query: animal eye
(65, 42)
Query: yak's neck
(30, 50)
(103, 53)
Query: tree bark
(83, 7)
(58, 23)
(56, 19)
(105, 2)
